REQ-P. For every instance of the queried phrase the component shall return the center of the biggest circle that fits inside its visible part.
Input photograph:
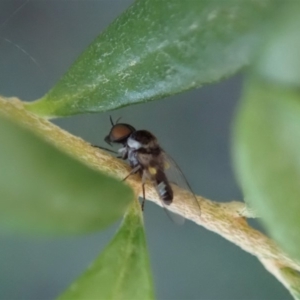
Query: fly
(145, 156)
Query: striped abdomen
(163, 187)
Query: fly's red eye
(120, 132)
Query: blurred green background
(37, 45)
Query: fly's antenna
(118, 120)
(111, 121)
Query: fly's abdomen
(163, 187)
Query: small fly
(145, 156)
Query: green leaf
(122, 270)
(159, 48)
(279, 60)
(267, 158)
(45, 191)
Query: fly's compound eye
(119, 133)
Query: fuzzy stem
(226, 219)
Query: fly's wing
(176, 176)
(177, 219)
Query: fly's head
(119, 133)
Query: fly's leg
(144, 178)
(106, 149)
(133, 171)
(123, 153)
(122, 156)
(144, 197)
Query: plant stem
(226, 219)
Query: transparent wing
(176, 176)
(164, 190)
(177, 219)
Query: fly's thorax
(142, 139)
(133, 144)
(151, 158)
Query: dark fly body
(146, 157)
